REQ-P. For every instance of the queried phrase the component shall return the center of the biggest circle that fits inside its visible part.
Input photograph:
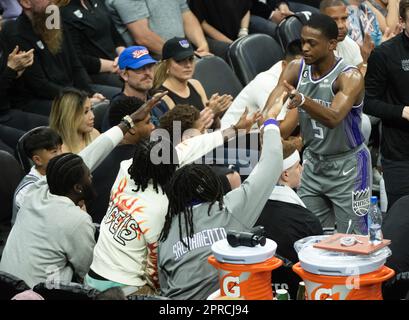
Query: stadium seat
(290, 29)
(216, 76)
(10, 286)
(25, 162)
(250, 55)
(10, 176)
(65, 291)
(99, 110)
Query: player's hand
(294, 96)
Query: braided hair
(190, 185)
(63, 172)
(143, 171)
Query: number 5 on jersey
(318, 131)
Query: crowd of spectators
(127, 202)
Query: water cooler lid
(333, 263)
(225, 253)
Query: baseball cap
(134, 57)
(177, 48)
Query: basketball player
(326, 99)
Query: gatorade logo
(231, 286)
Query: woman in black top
(174, 74)
(95, 38)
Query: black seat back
(290, 28)
(216, 76)
(25, 161)
(253, 54)
(65, 291)
(10, 176)
(100, 109)
(10, 286)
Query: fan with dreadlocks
(191, 185)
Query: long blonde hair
(65, 117)
(161, 73)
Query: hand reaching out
(245, 122)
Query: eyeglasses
(188, 59)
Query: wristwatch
(127, 120)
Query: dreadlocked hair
(190, 185)
(63, 172)
(144, 172)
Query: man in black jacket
(13, 123)
(387, 97)
(56, 64)
(95, 38)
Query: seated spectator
(152, 22)
(198, 208)
(95, 39)
(363, 24)
(174, 74)
(229, 20)
(126, 251)
(187, 120)
(12, 66)
(276, 11)
(137, 72)
(347, 48)
(72, 117)
(51, 228)
(285, 216)
(254, 96)
(11, 9)
(55, 63)
(40, 146)
(387, 13)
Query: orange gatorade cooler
(332, 275)
(245, 271)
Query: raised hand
(147, 107)
(245, 122)
(294, 96)
(367, 47)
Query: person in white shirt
(41, 145)
(255, 94)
